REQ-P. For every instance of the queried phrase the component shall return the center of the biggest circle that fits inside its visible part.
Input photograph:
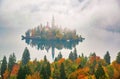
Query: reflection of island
(46, 37)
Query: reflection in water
(46, 37)
(42, 44)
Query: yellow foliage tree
(35, 75)
(116, 67)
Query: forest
(74, 67)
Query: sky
(98, 21)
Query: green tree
(110, 71)
(3, 66)
(100, 73)
(25, 56)
(83, 62)
(93, 54)
(45, 69)
(71, 56)
(118, 58)
(59, 55)
(92, 67)
(12, 61)
(44, 73)
(75, 54)
(107, 57)
(62, 72)
(48, 68)
(45, 59)
(23, 71)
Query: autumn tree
(35, 75)
(62, 72)
(12, 61)
(14, 71)
(25, 56)
(55, 72)
(107, 57)
(3, 66)
(110, 71)
(100, 73)
(118, 58)
(6, 74)
(83, 62)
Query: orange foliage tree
(116, 67)
(6, 74)
(15, 70)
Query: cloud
(97, 20)
(84, 13)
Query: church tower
(53, 22)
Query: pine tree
(107, 57)
(48, 68)
(118, 58)
(26, 56)
(71, 56)
(45, 69)
(3, 66)
(62, 72)
(43, 73)
(59, 56)
(45, 59)
(23, 71)
(100, 73)
(12, 61)
(75, 54)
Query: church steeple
(53, 22)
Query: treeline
(49, 33)
(74, 67)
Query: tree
(75, 54)
(48, 68)
(59, 55)
(15, 70)
(107, 57)
(62, 72)
(45, 69)
(45, 59)
(100, 74)
(12, 61)
(110, 71)
(6, 74)
(71, 56)
(3, 66)
(43, 73)
(83, 62)
(23, 72)
(25, 56)
(35, 75)
(118, 58)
